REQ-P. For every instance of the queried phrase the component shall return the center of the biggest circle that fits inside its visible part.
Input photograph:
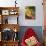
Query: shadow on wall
(37, 29)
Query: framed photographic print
(30, 12)
(5, 12)
(13, 12)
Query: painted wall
(39, 11)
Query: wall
(39, 11)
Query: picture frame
(13, 12)
(30, 12)
(5, 12)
